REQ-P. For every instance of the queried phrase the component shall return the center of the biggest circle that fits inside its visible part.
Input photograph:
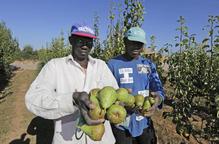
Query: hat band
(83, 34)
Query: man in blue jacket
(139, 76)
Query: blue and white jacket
(140, 76)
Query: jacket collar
(70, 58)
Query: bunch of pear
(143, 104)
(106, 107)
(111, 104)
(138, 102)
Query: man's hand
(84, 104)
(131, 110)
(82, 99)
(87, 118)
(152, 109)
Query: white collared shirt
(50, 95)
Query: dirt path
(14, 116)
(26, 65)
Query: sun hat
(136, 34)
(82, 30)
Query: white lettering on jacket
(126, 78)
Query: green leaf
(205, 40)
(177, 44)
(185, 41)
(205, 46)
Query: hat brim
(136, 39)
(84, 35)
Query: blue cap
(136, 34)
(83, 31)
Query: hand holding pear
(150, 104)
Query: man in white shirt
(67, 80)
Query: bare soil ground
(15, 119)
(26, 65)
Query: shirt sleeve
(107, 77)
(42, 98)
(155, 84)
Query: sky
(37, 22)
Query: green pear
(121, 93)
(116, 114)
(95, 132)
(123, 97)
(146, 105)
(93, 96)
(107, 96)
(94, 100)
(151, 100)
(130, 101)
(127, 99)
(94, 92)
(96, 113)
(139, 100)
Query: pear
(94, 100)
(139, 100)
(96, 113)
(124, 96)
(151, 100)
(122, 91)
(94, 92)
(130, 101)
(116, 114)
(107, 96)
(95, 132)
(146, 105)
(93, 96)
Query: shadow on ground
(42, 128)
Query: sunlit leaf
(205, 46)
(205, 40)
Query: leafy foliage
(56, 49)
(194, 75)
(160, 58)
(8, 52)
(132, 15)
(97, 50)
(28, 53)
